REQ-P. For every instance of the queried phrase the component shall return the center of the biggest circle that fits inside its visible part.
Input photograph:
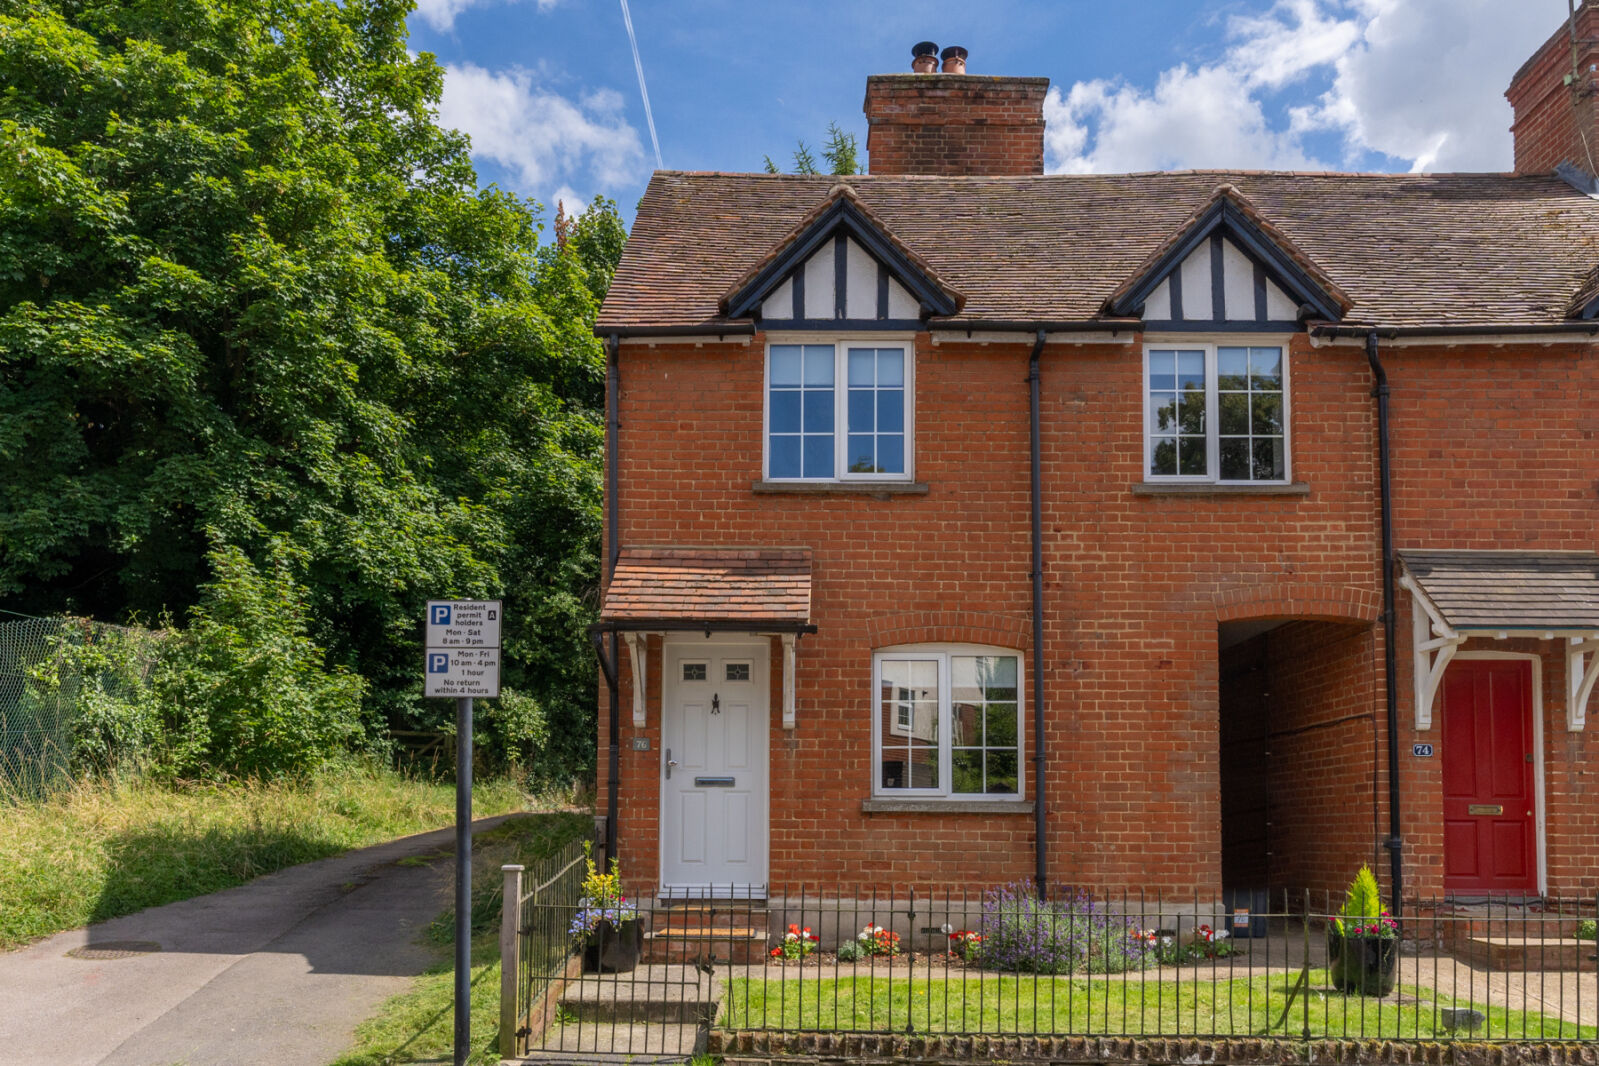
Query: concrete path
(276, 971)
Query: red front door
(1490, 844)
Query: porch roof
(1509, 590)
(674, 587)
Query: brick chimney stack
(1554, 110)
(954, 124)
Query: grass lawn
(991, 1003)
(419, 1025)
(105, 849)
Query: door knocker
(716, 704)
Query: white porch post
(1433, 644)
(788, 680)
(1581, 674)
(637, 650)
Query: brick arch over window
(1332, 603)
(950, 627)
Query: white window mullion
(1212, 427)
(946, 767)
(840, 408)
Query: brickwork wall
(955, 124)
(1493, 447)
(1552, 118)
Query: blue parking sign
(439, 662)
(441, 614)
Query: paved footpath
(276, 972)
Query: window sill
(848, 488)
(880, 805)
(1177, 488)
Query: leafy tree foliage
(256, 316)
(841, 152)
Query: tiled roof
(1509, 589)
(1407, 250)
(710, 585)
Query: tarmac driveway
(276, 971)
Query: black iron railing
(1000, 961)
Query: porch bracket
(788, 679)
(1433, 643)
(1582, 671)
(637, 649)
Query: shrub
(1587, 929)
(245, 688)
(1363, 913)
(1074, 934)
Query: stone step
(633, 1044)
(1516, 954)
(702, 914)
(690, 944)
(651, 993)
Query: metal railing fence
(536, 947)
(999, 962)
(41, 683)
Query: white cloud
(552, 144)
(1419, 80)
(440, 14)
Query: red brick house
(968, 524)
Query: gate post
(510, 958)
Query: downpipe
(613, 422)
(1395, 842)
(1040, 823)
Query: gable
(840, 267)
(1219, 283)
(1228, 268)
(840, 280)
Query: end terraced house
(1199, 531)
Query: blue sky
(548, 93)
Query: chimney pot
(924, 58)
(954, 58)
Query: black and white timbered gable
(840, 268)
(1228, 269)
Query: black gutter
(705, 329)
(707, 626)
(1395, 842)
(613, 533)
(1010, 325)
(1394, 332)
(1041, 847)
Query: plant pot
(1364, 964)
(613, 949)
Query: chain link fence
(41, 685)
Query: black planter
(1368, 965)
(610, 949)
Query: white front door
(713, 767)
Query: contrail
(638, 65)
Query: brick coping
(746, 1048)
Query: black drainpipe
(613, 528)
(1041, 848)
(1394, 843)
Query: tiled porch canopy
(1459, 595)
(754, 590)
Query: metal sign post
(462, 660)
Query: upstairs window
(837, 412)
(1216, 412)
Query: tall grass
(111, 847)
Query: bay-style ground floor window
(948, 722)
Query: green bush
(1587, 929)
(245, 691)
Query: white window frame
(841, 343)
(943, 653)
(1209, 343)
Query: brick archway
(1311, 602)
(950, 627)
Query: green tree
(841, 151)
(255, 308)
